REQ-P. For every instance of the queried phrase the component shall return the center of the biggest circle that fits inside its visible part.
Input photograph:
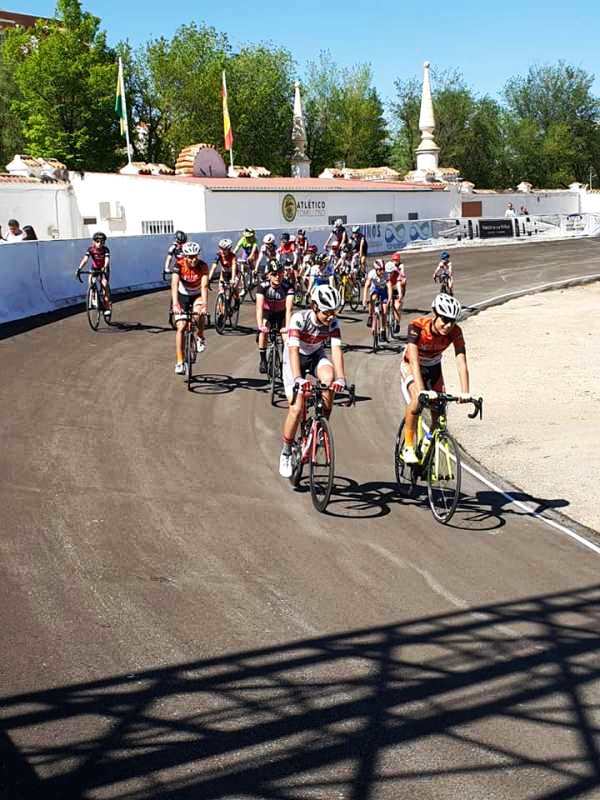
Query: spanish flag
(226, 120)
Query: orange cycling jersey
(190, 277)
(430, 344)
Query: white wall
(494, 205)
(590, 202)
(47, 207)
(142, 198)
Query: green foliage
(65, 76)
(11, 138)
(344, 116)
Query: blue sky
(487, 42)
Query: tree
(555, 106)
(66, 77)
(344, 116)
(11, 136)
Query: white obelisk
(427, 152)
(300, 161)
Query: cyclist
(274, 306)
(443, 272)
(189, 289)
(226, 260)
(396, 284)
(267, 251)
(359, 248)
(286, 248)
(376, 288)
(421, 366)
(247, 242)
(308, 333)
(99, 254)
(338, 234)
(301, 245)
(173, 253)
(321, 273)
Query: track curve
(179, 623)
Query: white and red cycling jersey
(309, 335)
(394, 273)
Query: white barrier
(39, 277)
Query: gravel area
(536, 361)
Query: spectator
(15, 234)
(510, 211)
(30, 235)
(524, 212)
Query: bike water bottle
(426, 443)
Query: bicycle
(190, 343)
(376, 324)
(314, 445)
(439, 457)
(274, 357)
(96, 302)
(227, 309)
(349, 291)
(444, 285)
(249, 276)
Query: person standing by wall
(15, 234)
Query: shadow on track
(333, 715)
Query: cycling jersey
(375, 281)
(190, 278)
(309, 335)
(246, 244)
(267, 252)
(431, 345)
(320, 276)
(98, 255)
(340, 234)
(394, 273)
(274, 296)
(356, 243)
(225, 260)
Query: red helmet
(312, 248)
(397, 257)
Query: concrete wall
(590, 202)
(537, 203)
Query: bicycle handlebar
(317, 388)
(442, 397)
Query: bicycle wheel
(190, 357)
(406, 475)
(375, 329)
(274, 373)
(443, 477)
(220, 307)
(297, 465)
(234, 312)
(355, 298)
(250, 284)
(93, 306)
(322, 465)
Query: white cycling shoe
(180, 368)
(200, 345)
(409, 456)
(285, 465)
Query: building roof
(6, 178)
(300, 184)
(10, 19)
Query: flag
(120, 109)
(226, 121)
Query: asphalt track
(178, 623)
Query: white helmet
(269, 239)
(191, 249)
(339, 223)
(446, 306)
(326, 298)
(379, 263)
(225, 244)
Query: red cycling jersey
(98, 255)
(430, 344)
(190, 277)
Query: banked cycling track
(178, 623)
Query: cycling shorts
(310, 364)
(381, 293)
(274, 319)
(433, 379)
(186, 301)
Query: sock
(409, 438)
(287, 446)
(262, 353)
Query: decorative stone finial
(427, 151)
(300, 161)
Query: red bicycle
(314, 445)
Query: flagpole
(122, 87)
(227, 121)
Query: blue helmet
(445, 255)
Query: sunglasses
(447, 320)
(328, 313)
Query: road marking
(541, 286)
(531, 513)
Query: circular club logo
(289, 208)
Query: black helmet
(99, 237)
(273, 267)
(300, 232)
(180, 237)
(285, 237)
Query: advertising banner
(495, 228)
